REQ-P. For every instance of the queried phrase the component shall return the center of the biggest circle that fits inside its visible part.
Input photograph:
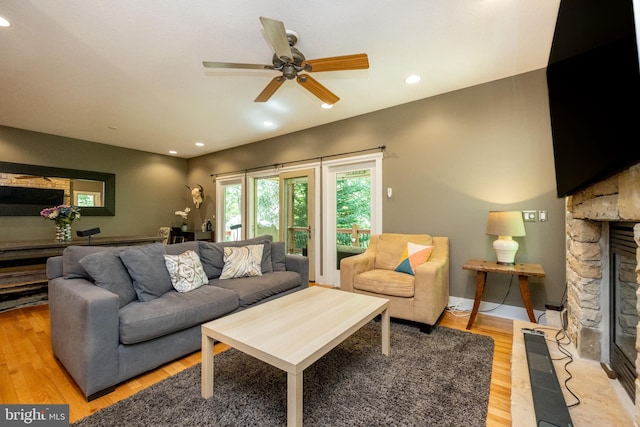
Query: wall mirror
(27, 189)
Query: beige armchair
(421, 298)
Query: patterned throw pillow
(186, 271)
(412, 257)
(244, 261)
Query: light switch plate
(530, 216)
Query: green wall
(149, 187)
(449, 159)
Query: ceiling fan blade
(211, 64)
(313, 86)
(271, 88)
(359, 61)
(277, 36)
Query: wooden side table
(522, 270)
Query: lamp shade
(507, 223)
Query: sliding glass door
(230, 216)
(297, 214)
(352, 210)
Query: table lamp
(505, 225)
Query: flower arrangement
(62, 214)
(184, 214)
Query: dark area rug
(440, 379)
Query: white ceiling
(129, 72)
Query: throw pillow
(148, 272)
(71, 256)
(244, 261)
(185, 271)
(278, 258)
(108, 272)
(212, 254)
(412, 257)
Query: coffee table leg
(294, 400)
(386, 332)
(207, 367)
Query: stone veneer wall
(614, 199)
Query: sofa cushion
(174, 311)
(71, 256)
(185, 271)
(386, 282)
(389, 248)
(242, 262)
(148, 272)
(108, 272)
(278, 259)
(413, 256)
(251, 290)
(179, 248)
(212, 254)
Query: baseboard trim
(503, 311)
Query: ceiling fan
(292, 63)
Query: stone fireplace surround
(587, 261)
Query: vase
(184, 228)
(63, 232)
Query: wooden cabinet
(23, 264)
(198, 235)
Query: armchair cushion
(386, 282)
(391, 246)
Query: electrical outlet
(530, 216)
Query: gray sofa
(115, 314)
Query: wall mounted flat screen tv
(593, 80)
(14, 200)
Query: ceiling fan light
(412, 79)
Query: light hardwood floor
(29, 373)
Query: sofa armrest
(85, 332)
(299, 264)
(351, 266)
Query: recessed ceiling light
(4, 22)
(173, 152)
(412, 79)
(268, 123)
(200, 144)
(327, 106)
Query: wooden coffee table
(292, 332)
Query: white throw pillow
(244, 261)
(186, 271)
